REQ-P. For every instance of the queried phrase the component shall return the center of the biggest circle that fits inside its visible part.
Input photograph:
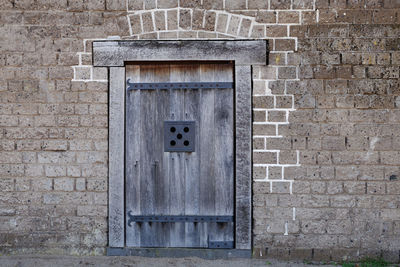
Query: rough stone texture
(326, 120)
(66, 261)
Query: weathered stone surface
(326, 120)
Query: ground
(60, 261)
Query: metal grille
(188, 85)
(179, 136)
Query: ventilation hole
(186, 143)
(179, 136)
(186, 129)
(172, 143)
(172, 129)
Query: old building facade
(326, 125)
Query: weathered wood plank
(177, 162)
(148, 166)
(224, 159)
(223, 135)
(132, 158)
(243, 52)
(192, 163)
(243, 157)
(116, 158)
(161, 74)
(207, 153)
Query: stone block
(280, 4)
(92, 211)
(279, 31)
(288, 157)
(55, 171)
(376, 188)
(209, 21)
(100, 74)
(259, 172)
(63, 184)
(167, 4)
(333, 143)
(287, 73)
(233, 26)
(277, 116)
(257, 4)
(73, 171)
(285, 45)
(279, 187)
(264, 129)
(96, 185)
(258, 31)
(266, 16)
(116, 5)
(275, 173)
(245, 28)
(265, 157)
(185, 19)
(235, 4)
(197, 22)
(135, 24)
(147, 22)
(288, 17)
(263, 102)
(259, 116)
(80, 184)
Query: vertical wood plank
(148, 168)
(223, 135)
(116, 157)
(243, 157)
(176, 162)
(224, 160)
(192, 163)
(132, 158)
(161, 74)
(207, 156)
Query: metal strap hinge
(177, 218)
(174, 85)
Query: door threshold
(204, 253)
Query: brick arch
(192, 23)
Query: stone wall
(326, 120)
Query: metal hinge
(175, 85)
(177, 218)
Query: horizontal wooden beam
(116, 53)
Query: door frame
(244, 53)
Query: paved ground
(61, 261)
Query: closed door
(179, 155)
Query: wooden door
(179, 199)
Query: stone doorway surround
(113, 54)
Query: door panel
(179, 183)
